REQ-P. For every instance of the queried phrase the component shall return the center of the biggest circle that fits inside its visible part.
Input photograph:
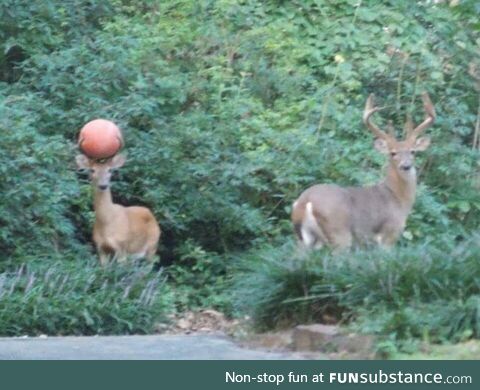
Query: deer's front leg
(103, 257)
(105, 252)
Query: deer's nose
(406, 167)
(103, 187)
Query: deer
(340, 217)
(119, 232)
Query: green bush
(38, 188)
(199, 280)
(427, 291)
(231, 109)
(65, 297)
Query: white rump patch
(307, 237)
(309, 228)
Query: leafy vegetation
(425, 291)
(229, 110)
(83, 299)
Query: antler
(430, 118)
(369, 110)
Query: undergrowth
(81, 298)
(428, 292)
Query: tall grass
(429, 291)
(82, 298)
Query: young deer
(119, 231)
(327, 214)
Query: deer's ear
(381, 145)
(82, 161)
(118, 161)
(421, 144)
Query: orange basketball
(100, 138)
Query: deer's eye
(393, 154)
(412, 151)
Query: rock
(356, 343)
(183, 323)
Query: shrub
(65, 297)
(428, 291)
(198, 280)
(37, 185)
(230, 110)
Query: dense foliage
(83, 299)
(229, 109)
(428, 292)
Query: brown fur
(119, 231)
(327, 214)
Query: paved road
(153, 347)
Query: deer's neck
(103, 205)
(403, 187)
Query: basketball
(100, 139)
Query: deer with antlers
(327, 214)
(118, 231)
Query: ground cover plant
(428, 292)
(80, 298)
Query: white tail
(119, 231)
(327, 214)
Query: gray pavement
(152, 347)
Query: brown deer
(327, 214)
(118, 231)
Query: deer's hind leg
(152, 244)
(341, 241)
(151, 253)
